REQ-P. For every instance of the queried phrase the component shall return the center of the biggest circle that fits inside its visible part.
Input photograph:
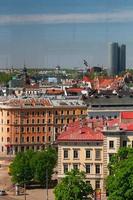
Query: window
(49, 129)
(62, 112)
(88, 153)
(33, 113)
(32, 129)
(65, 168)
(67, 120)
(124, 143)
(7, 129)
(43, 121)
(111, 144)
(62, 121)
(38, 121)
(38, 113)
(75, 166)
(74, 112)
(65, 153)
(97, 168)
(56, 130)
(97, 184)
(49, 113)
(49, 138)
(81, 112)
(2, 139)
(49, 121)
(8, 121)
(28, 129)
(98, 154)
(56, 112)
(75, 154)
(88, 168)
(27, 121)
(32, 121)
(38, 129)
(27, 139)
(38, 139)
(2, 129)
(8, 139)
(67, 112)
(16, 139)
(7, 113)
(43, 138)
(43, 113)
(56, 121)
(32, 138)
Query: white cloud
(117, 16)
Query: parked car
(2, 192)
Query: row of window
(88, 168)
(32, 129)
(39, 121)
(88, 154)
(28, 139)
(112, 144)
(35, 129)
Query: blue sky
(63, 32)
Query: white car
(2, 192)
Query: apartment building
(80, 147)
(32, 123)
(90, 148)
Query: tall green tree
(21, 169)
(120, 181)
(30, 165)
(73, 187)
(43, 164)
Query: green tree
(21, 169)
(120, 181)
(43, 164)
(73, 187)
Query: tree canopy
(29, 165)
(120, 181)
(73, 187)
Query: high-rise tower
(117, 57)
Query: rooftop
(80, 131)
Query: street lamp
(46, 183)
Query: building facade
(35, 122)
(79, 147)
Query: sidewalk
(34, 194)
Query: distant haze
(63, 32)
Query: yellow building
(80, 147)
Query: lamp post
(46, 183)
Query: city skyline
(49, 33)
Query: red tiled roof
(127, 115)
(77, 132)
(74, 90)
(127, 127)
(54, 92)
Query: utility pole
(46, 183)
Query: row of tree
(32, 166)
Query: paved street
(5, 183)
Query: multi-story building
(35, 122)
(84, 148)
(117, 58)
(80, 147)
